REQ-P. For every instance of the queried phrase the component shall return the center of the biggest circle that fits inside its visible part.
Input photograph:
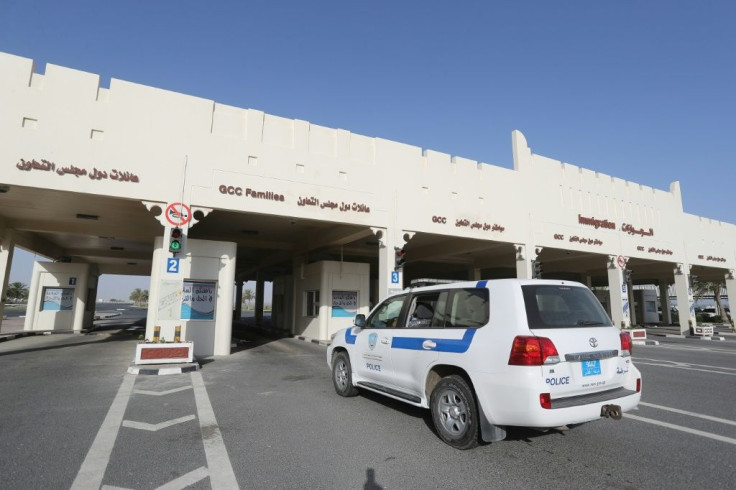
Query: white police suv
(486, 355)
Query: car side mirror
(359, 321)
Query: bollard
(177, 333)
(156, 334)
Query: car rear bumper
(517, 402)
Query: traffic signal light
(627, 276)
(693, 280)
(175, 240)
(536, 269)
(400, 258)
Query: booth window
(312, 303)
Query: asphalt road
(275, 422)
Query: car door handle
(428, 345)
(384, 340)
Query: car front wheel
(342, 375)
(454, 412)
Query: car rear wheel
(342, 375)
(454, 412)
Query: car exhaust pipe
(611, 411)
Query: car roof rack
(417, 283)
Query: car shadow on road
(406, 409)
(527, 434)
(518, 434)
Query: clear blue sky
(644, 91)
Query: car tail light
(545, 400)
(533, 351)
(626, 344)
(638, 385)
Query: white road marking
(132, 424)
(693, 348)
(220, 469)
(691, 414)
(686, 366)
(186, 480)
(162, 393)
(180, 483)
(683, 429)
(93, 468)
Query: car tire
(342, 375)
(455, 413)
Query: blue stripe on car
(481, 284)
(443, 345)
(349, 337)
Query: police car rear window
(560, 306)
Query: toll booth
(61, 297)
(328, 295)
(645, 302)
(193, 291)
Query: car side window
(387, 314)
(427, 310)
(468, 308)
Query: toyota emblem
(593, 342)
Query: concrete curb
(163, 369)
(646, 342)
(325, 343)
(12, 336)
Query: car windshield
(560, 306)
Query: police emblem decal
(372, 339)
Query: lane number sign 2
(172, 265)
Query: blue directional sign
(394, 277)
(172, 265)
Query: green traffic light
(175, 246)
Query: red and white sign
(178, 214)
(621, 261)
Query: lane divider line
(220, 469)
(187, 480)
(93, 468)
(684, 364)
(675, 366)
(691, 414)
(132, 424)
(162, 393)
(683, 429)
